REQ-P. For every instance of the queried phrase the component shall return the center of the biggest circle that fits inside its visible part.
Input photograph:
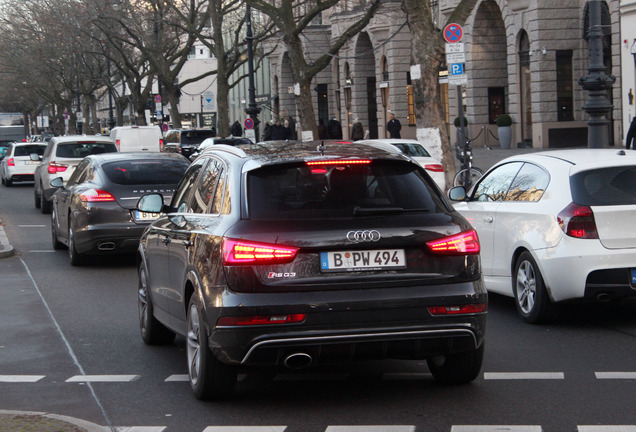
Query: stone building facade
(523, 58)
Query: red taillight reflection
(458, 309)
(160, 144)
(118, 144)
(11, 162)
(237, 252)
(434, 167)
(96, 195)
(260, 320)
(578, 221)
(340, 162)
(464, 243)
(54, 167)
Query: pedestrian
(286, 131)
(334, 129)
(322, 130)
(292, 128)
(357, 131)
(236, 129)
(631, 135)
(277, 131)
(394, 127)
(267, 132)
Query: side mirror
(457, 193)
(57, 182)
(151, 203)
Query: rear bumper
(18, 177)
(120, 238)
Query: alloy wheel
(526, 287)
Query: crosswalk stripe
(102, 378)
(523, 375)
(21, 378)
(245, 429)
(497, 428)
(615, 375)
(378, 428)
(613, 428)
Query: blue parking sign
(457, 69)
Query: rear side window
(300, 191)
(413, 150)
(605, 186)
(27, 150)
(83, 149)
(146, 172)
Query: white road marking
(177, 378)
(21, 378)
(615, 375)
(245, 429)
(496, 428)
(524, 375)
(141, 429)
(42, 251)
(102, 378)
(613, 428)
(32, 226)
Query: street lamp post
(111, 118)
(597, 83)
(252, 109)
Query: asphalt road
(70, 345)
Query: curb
(6, 250)
(30, 421)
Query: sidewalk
(23, 421)
(6, 250)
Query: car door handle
(166, 240)
(489, 219)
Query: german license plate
(634, 277)
(143, 216)
(30, 162)
(362, 260)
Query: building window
(565, 91)
(411, 102)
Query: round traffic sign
(158, 98)
(453, 33)
(164, 127)
(249, 123)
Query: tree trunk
(304, 103)
(170, 93)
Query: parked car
(415, 150)
(137, 138)
(297, 254)
(185, 141)
(94, 212)
(556, 227)
(61, 157)
(208, 142)
(17, 165)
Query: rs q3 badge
(274, 275)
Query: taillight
(54, 167)
(236, 252)
(340, 162)
(117, 143)
(11, 162)
(160, 144)
(578, 221)
(260, 320)
(464, 243)
(458, 309)
(434, 167)
(96, 195)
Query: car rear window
(27, 150)
(146, 172)
(83, 149)
(414, 150)
(605, 186)
(300, 191)
(196, 136)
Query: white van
(137, 138)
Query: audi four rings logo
(363, 236)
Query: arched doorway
(365, 86)
(525, 92)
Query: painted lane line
(378, 428)
(177, 378)
(524, 375)
(103, 378)
(615, 375)
(497, 428)
(42, 251)
(141, 429)
(612, 428)
(21, 378)
(32, 226)
(245, 429)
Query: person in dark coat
(292, 128)
(357, 131)
(631, 135)
(394, 127)
(287, 133)
(267, 132)
(322, 130)
(277, 131)
(334, 129)
(236, 129)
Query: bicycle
(468, 175)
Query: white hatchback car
(17, 164)
(416, 151)
(556, 226)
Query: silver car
(61, 157)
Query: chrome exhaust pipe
(297, 361)
(106, 246)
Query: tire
(531, 298)
(152, 331)
(75, 257)
(475, 174)
(458, 368)
(57, 245)
(209, 378)
(8, 183)
(36, 198)
(45, 205)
